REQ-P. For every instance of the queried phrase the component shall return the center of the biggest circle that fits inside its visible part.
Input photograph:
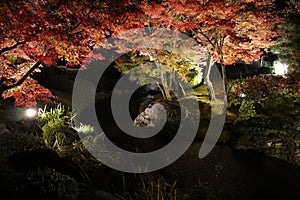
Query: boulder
(152, 116)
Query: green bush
(268, 115)
(11, 143)
(253, 94)
(60, 134)
(8, 180)
(46, 185)
(56, 127)
(96, 146)
(276, 138)
(15, 185)
(84, 130)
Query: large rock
(152, 116)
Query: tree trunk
(224, 83)
(207, 78)
(161, 90)
(165, 89)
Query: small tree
(169, 55)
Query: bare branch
(5, 49)
(7, 87)
(207, 38)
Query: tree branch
(207, 38)
(2, 80)
(7, 87)
(5, 49)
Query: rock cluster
(152, 116)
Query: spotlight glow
(31, 112)
(280, 68)
(242, 95)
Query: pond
(236, 174)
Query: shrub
(84, 129)
(270, 135)
(11, 143)
(8, 181)
(268, 120)
(96, 146)
(56, 127)
(35, 185)
(47, 185)
(252, 94)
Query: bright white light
(242, 95)
(280, 68)
(147, 54)
(31, 112)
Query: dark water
(235, 174)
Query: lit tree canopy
(163, 56)
(39, 32)
(229, 29)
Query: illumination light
(242, 95)
(31, 112)
(280, 68)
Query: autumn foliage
(36, 33)
(230, 29)
(47, 30)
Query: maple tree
(165, 58)
(36, 33)
(229, 29)
(162, 69)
